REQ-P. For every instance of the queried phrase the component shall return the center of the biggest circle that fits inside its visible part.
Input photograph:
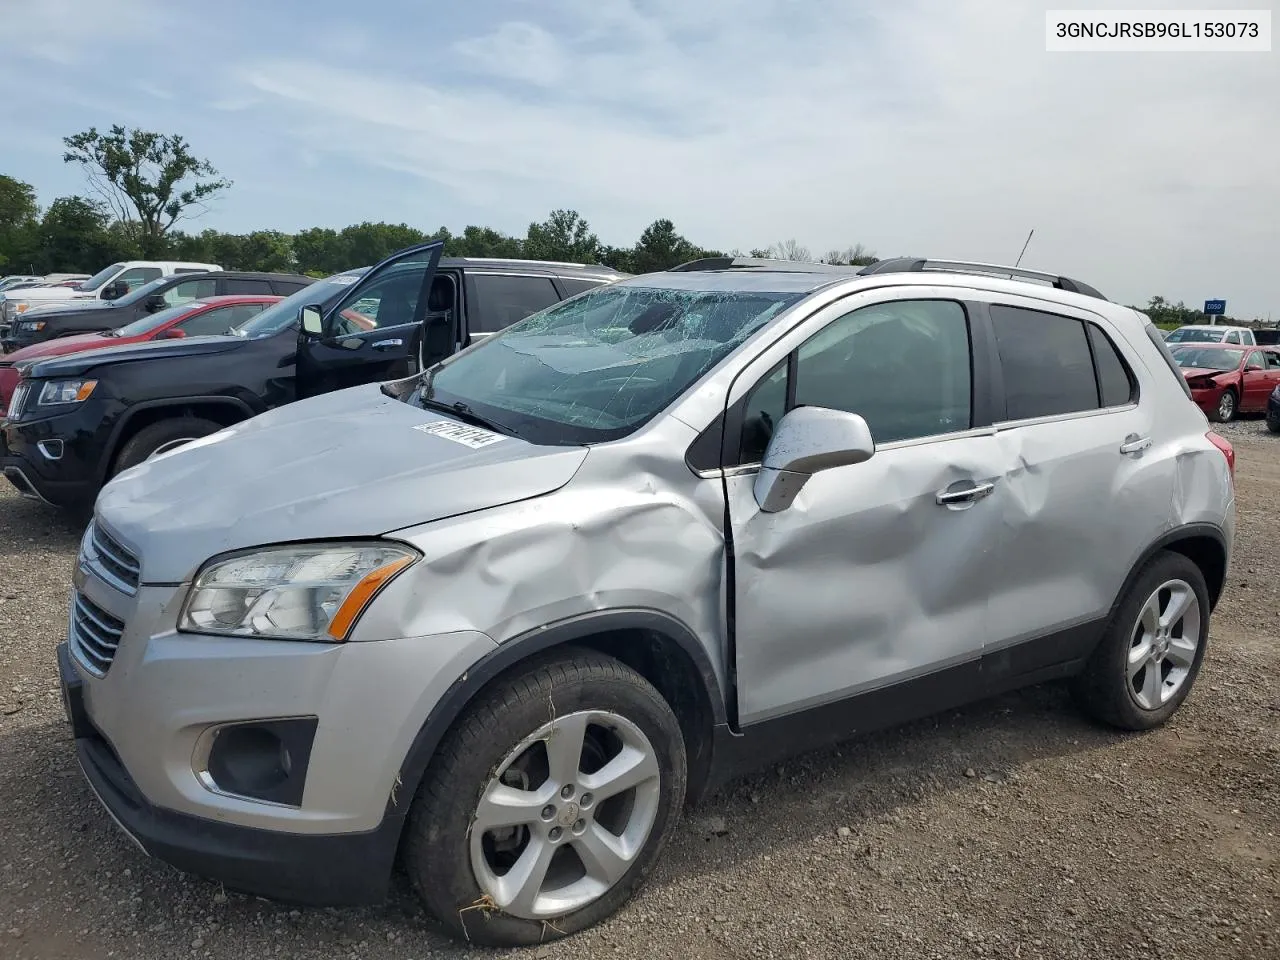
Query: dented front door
(867, 579)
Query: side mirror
(155, 302)
(173, 333)
(806, 441)
(115, 290)
(312, 321)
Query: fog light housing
(263, 760)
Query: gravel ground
(1014, 829)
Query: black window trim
(723, 436)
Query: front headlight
(306, 592)
(66, 391)
(32, 325)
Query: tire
(491, 742)
(1273, 425)
(1228, 406)
(151, 438)
(1118, 690)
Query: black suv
(75, 421)
(92, 316)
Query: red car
(197, 318)
(1226, 379)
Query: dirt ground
(1014, 829)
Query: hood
(1190, 372)
(353, 463)
(40, 293)
(80, 363)
(58, 308)
(56, 348)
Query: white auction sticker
(473, 437)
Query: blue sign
(1215, 308)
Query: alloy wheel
(1164, 644)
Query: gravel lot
(1015, 829)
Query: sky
(939, 129)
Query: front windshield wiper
(467, 415)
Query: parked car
(1212, 333)
(505, 617)
(67, 319)
(1273, 411)
(195, 318)
(110, 283)
(15, 279)
(132, 401)
(1227, 380)
(1267, 338)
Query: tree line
(142, 185)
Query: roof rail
(917, 264)
(760, 263)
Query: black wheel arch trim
(176, 403)
(1191, 531)
(512, 652)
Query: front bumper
(55, 459)
(144, 728)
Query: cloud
(61, 30)
(517, 51)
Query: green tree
(367, 243)
(483, 242)
(18, 223)
(78, 234)
(320, 250)
(151, 177)
(661, 248)
(268, 250)
(563, 236)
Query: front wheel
(1150, 655)
(1227, 404)
(157, 438)
(548, 803)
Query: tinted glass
(1046, 363)
(190, 290)
(136, 276)
(99, 278)
(1114, 379)
(903, 366)
(284, 314)
(240, 285)
(219, 320)
(573, 286)
(765, 407)
(502, 300)
(599, 366)
(390, 300)
(1255, 360)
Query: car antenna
(1024, 247)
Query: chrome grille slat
(94, 634)
(116, 560)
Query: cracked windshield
(598, 366)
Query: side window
(190, 290)
(574, 287)
(214, 322)
(904, 366)
(244, 286)
(390, 300)
(1046, 363)
(1255, 360)
(1273, 360)
(1115, 381)
(1233, 337)
(137, 276)
(286, 287)
(504, 300)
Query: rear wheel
(1150, 656)
(548, 803)
(160, 437)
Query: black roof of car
(240, 275)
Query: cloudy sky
(923, 127)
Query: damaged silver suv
(503, 619)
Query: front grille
(94, 634)
(116, 560)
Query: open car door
(372, 334)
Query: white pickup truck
(110, 283)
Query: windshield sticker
(343, 281)
(473, 437)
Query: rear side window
(247, 286)
(1046, 362)
(574, 287)
(1115, 382)
(504, 300)
(286, 287)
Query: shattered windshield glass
(600, 365)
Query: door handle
(1134, 444)
(387, 344)
(976, 492)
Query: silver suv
(504, 618)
